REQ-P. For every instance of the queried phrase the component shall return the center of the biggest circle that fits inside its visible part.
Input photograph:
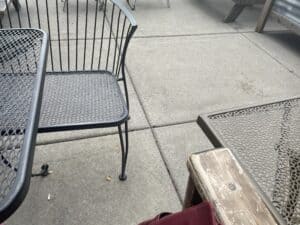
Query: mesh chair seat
(81, 100)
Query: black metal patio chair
(85, 84)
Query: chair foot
(124, 149)
(168, 4)
(122, 177)
(44, 171)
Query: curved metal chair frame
(86, 64)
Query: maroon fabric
(157, 218)
(202, 214)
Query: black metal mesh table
(22, 69)
(266, 141)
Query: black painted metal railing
(84, 35)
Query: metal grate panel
(21, 68)
(19, 53)
(266, 140)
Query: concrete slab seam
(154, 136)
(273, 57)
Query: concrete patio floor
(183, 61)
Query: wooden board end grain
(220, 179)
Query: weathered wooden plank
(219, 178)
(192, 196)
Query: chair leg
(43, 173)
(132, 7)
(17, 5)
(101, 5)
(65, 5)
(234, 13)
(261, 22)
(168, 4)
(124, 149)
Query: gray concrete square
(193, 75)
(81, 193)
(184, 17)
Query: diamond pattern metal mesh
(88, 98)
(266, 140)
(19, 53)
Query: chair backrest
(85, 35)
